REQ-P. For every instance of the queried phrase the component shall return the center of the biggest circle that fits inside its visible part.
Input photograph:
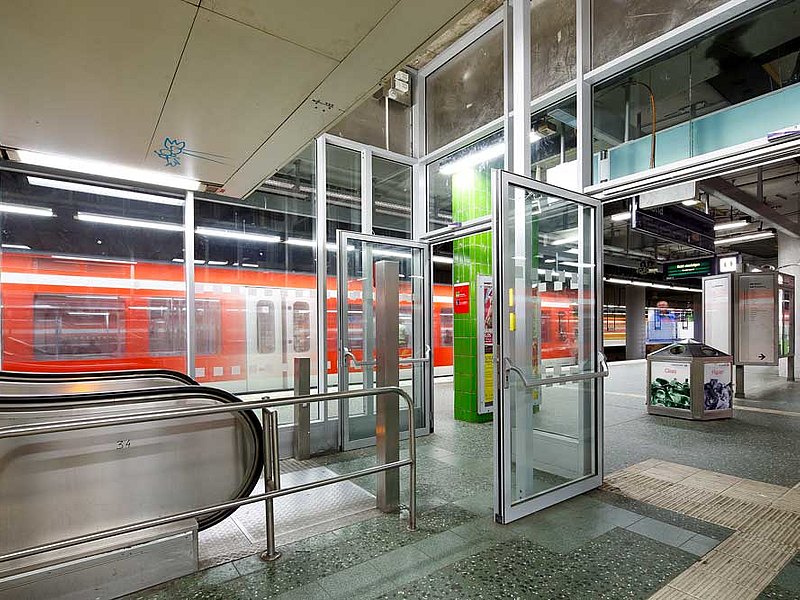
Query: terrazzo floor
(603, 544)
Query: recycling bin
(690, 380)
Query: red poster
(461, 298)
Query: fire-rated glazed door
(547, 278)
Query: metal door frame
(422, 335)
(506, 510)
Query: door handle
(349, 355)
(535, 383)
(418, 361)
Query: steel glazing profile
(150, 416)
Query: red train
(69, 314)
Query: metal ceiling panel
(88, 77)
(332, 29)
(234, 87)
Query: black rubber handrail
(165, 394)
(24, 376)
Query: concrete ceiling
(240, 86)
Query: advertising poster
(485, 316)
(717, 386)
(669, 385)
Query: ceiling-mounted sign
(461, 298)
(728, 264)
(675, 223)
(696, 267)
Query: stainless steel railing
(272, 487)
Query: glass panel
(466, 92)
(459, 185)
(549, 268)
(554, 145)
(738, 85)
(343, 203)
(618, 27)
(391, 198)
(254, 264)
(360, 337)
(553, 60)
(107, 263)
(367, 124)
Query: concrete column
(635, 325)
(789, 262)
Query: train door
(358, 255)
(266, 364)
(299, 323)
(548, 424)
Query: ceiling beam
(730, 194)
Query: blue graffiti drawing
(171, 150)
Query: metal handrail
(535, 383)
(268, 496)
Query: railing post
(302, 412)
(272, 478)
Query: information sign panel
(461, 298)
(717, 308)
(757, 320)
(697, 267)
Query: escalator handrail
(147, 395)
(24, 376)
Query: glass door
(547, 273)
(357, 296)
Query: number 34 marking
(123, 444)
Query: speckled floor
(600, 545)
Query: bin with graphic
(690, 380)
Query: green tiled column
(472, 256)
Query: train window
(446, 326)
(208, 327)
(301, 325)
(68, 327)
(405, 328)
(265, 327)
(355, 326)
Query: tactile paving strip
(765, 517)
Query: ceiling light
(230, 234)
(623, 216)
(570, 239)
(549, 261)
(642, 283)
(107, 170)
(690, 202)
(301, 242)
(124, 222)
(444, 260)
(572, 251)
(619, 281)
(16, 247)
(481, 156)
(88, 259)
(33, 211)
(252, 265)
(747, 237)
(217, 263)
(730, 225)
(104, 191)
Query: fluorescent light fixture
(126, 222)
(747, 237)
(444, 260)
(481, 156)
(619, 281)
(391, 253)
(16, 247)
(105, 169)
(230, 234)
(686, 289)
(642, 283)
(217, 263)
(579, 265)
(570, 239)
(252, 265)
(19, 209)
(572, 251)
(691, 202)
(71, 186)
(301, 242)
(661, 286)
(549, 261)
(177, 260)
(88, 259)
(623, 216)
(730, 225)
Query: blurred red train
(64, 313)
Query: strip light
(229, 234)
(730, 225)
(105, 169)
(72, 186)
(444, 260)
(747, 237)
(33, 211)
(623, 216)
(16, 247)
(301, 242)
(481, 156)
(125, 222)
(661, 286)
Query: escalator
(61, 485)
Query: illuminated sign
(698, 267)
